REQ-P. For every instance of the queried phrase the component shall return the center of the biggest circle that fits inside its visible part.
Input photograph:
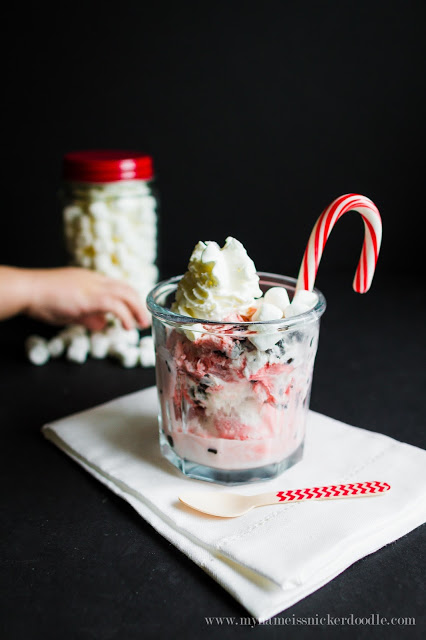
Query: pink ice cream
(229, 406)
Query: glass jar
(110, 215)
(234, 397)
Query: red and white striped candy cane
(370, 248)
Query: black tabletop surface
(78, 562)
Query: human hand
(74, 295)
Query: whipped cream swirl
(219, 283)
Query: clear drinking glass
(234, 397)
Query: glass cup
(234, 397)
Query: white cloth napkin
(273, 556)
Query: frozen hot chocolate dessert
(234, 385)
(235, 352)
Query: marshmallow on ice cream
(233, 386)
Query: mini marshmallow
(267, 311)
(307, 298)
(121, 228)
(149, 232)
(81, 341)
(99, 209)
(277, 296)
(71, 213)
(271, 336)
(130, 357)
(102, 229)
(103, 263)
(133, 243)
(99, 345)
(295, 309)
(83, 224)
(147, 342)
(117, 348)
(147, 351)
(113, 271)
(127, 264)
(37, 350)
(116, 333)
(103, 245)
(149, 203)
(120, 251)
(126, 205)
(131, 336)
(147, 359)
(147, 251)
(56, 346)
(148, 216)
(126, 354)
(78, 349)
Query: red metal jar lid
(107, 166)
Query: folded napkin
(273, 556)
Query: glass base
(227, 476)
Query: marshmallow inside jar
(110, 215)
(234, 365)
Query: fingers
(129, 297)
(121, 311)
(94, 322)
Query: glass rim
(169, 316)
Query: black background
(257, 115)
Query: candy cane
(370, 248)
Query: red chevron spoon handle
(334, 491)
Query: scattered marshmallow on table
(99, 345)
(128, 356)
(78, 349)
(124, 347)
(77, 343)
(56, 346)
(132, 336)
(147, 352)
(37, 350)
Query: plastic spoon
(231, 505)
